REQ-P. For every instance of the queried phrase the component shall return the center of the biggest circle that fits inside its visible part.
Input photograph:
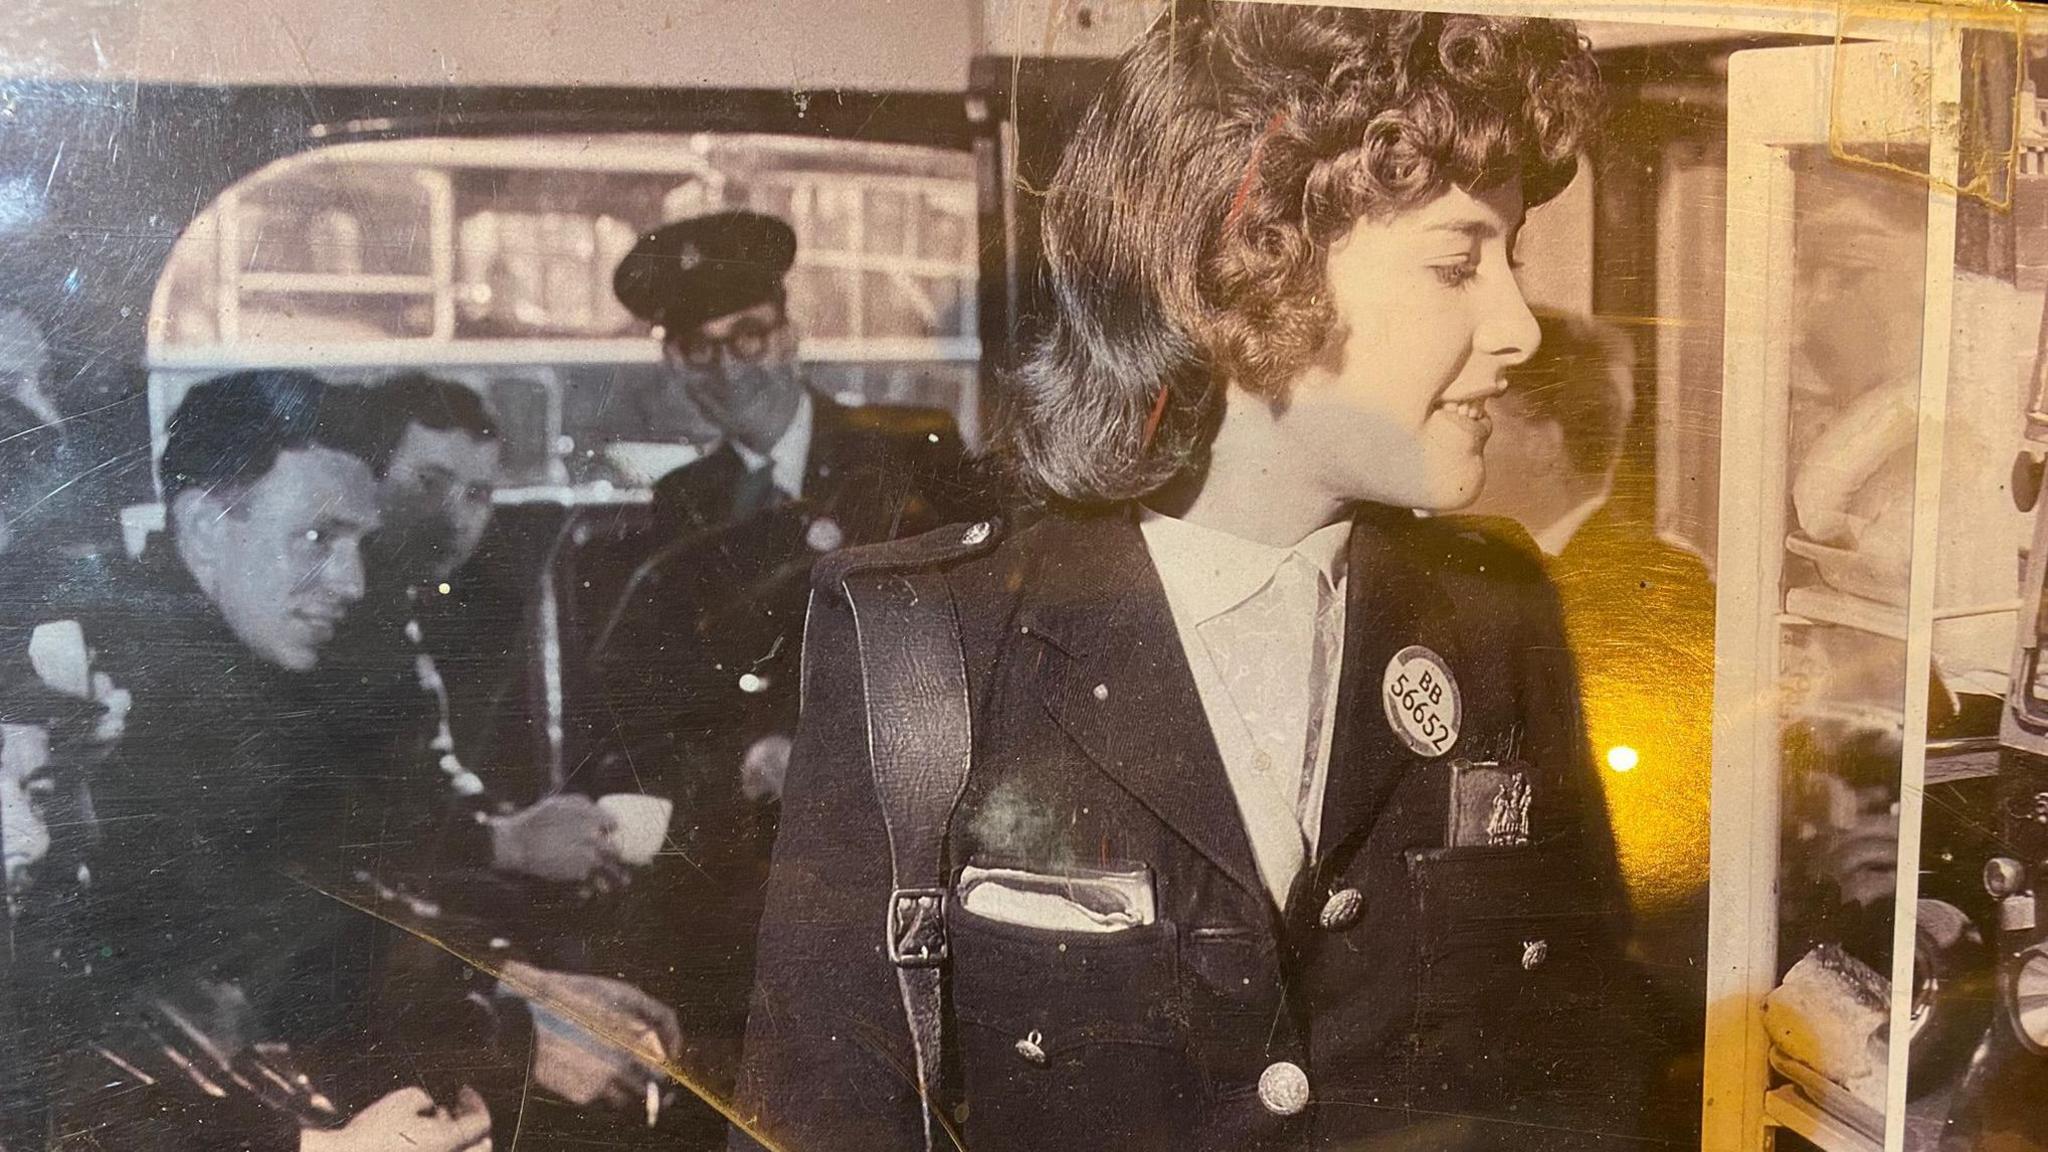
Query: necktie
(1328, 652)
(755, 492)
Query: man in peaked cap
(695, 663)
(712, 287)
(792, 475)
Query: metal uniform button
(1534, 953)
(1341, 910)
(1283, 1088)
(976, 533)
(1032, 1047)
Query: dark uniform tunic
(234, 834)
(719, 595)
(1425, 996)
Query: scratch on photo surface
(595, 1029)
(305, 61)
(519, 1120)
(54, 162)
(1251, 172)
(61, 419)
(1488, 1120)
(869, 1037)
(1639, 321)
(1053, 22)
(1158, 412)
(101, 466)
(1986, 172)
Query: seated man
(697, 658)
(435, 662)
(238, 984)
(712, 288)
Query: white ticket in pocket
(1095, 901)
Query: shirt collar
(1209, 572)
(1557, 535)
(790, 454)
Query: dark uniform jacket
(720, 592)
(880, 471)
(378, 681)
(241, 845)
(1433, 997)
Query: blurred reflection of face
(1528, 473)
(436, 497)
(1860, 842)
(283, 561)
(741, 371)
(1860, 292)
(1429, 319)
(24, 832)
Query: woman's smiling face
(1429, 318)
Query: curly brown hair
(1187, 228)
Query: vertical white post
(1743, 916)
(227, 298)
(440, 189)
(1944, 88)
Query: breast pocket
(1068, 1039)
(1516, 973)
(1503, 928)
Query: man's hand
(408, 1119)
(562, 838)
(595, 1039)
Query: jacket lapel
(851, 478)
(822, 463)
(1392, 601)
(1117, 682)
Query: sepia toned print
(1975, 1057)
(1019, 574)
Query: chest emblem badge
(1508, 825)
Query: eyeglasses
(747, 342)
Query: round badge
(824, 535)
(1421, 697)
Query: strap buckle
(917, 927)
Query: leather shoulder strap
(920, 740)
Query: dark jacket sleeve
(828, 1061)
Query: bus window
(491, 260)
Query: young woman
(1280, 831)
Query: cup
(640, 824)
(58, 653)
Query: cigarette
(652, 1042)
